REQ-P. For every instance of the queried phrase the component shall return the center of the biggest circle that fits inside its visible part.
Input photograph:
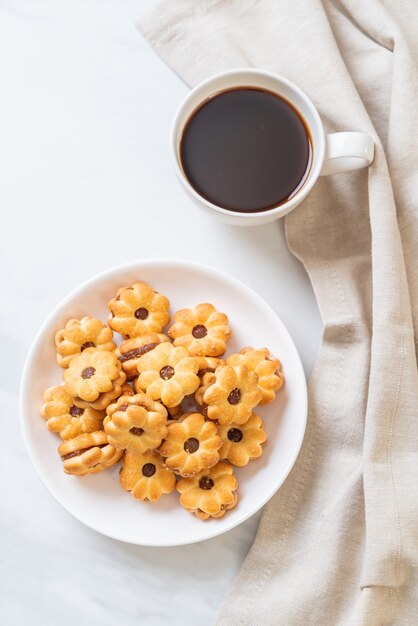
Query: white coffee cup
(334, 153)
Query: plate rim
(155, 262)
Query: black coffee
(246, 150)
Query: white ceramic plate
(97, 500)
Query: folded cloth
(338, 544)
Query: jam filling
(88, 372)
(141, 313)
(148, 470)
(199, 331)
(87, 344)
(234, 397)
(235, 435)
(206, 483)
(136, 431)
(167, 372)
(191, 445)
(70, 455)
(204, 371)
(75, 411)
(136, 352)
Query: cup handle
(347, 151)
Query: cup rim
(319, 147)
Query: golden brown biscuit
(202, 330)
(227, 507)
(77, 335)
(206, 381)
(167, 374)
(211, 493)
(267, 368)
(135, 423)
(104, 399)
(130, 351)
(208, 364)
(64, 417)
(174, 412)
(191, 445)
(183, 416)
(88, 454)
(145, 476)
(242, 443)
(138, 310)
(127, 390)
(232, 397)
(94, 378)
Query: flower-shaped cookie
(167, 374)
(88, 454)
(77, 335)
(130, 351)
(206, 381)
(202, 330)
(208, 364)
(138, 310)
(242, 443)
(145, 476)
(64, 417)
(211, 493)
(191, 445)
(267, 368)
(94, 378)
(135, 423)
(232, 397)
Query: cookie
(206, 381)
(202, 330)
(145, 476)
(127, 390)
(242, 443)
(135, 423)
(208, 364)
(77, 335)
(267, 368)
(211, 493)
(138, 310)
(167, 374)
(182, 416)
(64, 417)
(191, 445)
(94, 378)
(130, 351)
(174, 412)
(88, 454)
(227, 507)
(233, 395)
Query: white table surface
(86, 183)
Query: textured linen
(338, 543)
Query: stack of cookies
(125, 402)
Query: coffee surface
(246, 150)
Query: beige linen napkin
(338, 544)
